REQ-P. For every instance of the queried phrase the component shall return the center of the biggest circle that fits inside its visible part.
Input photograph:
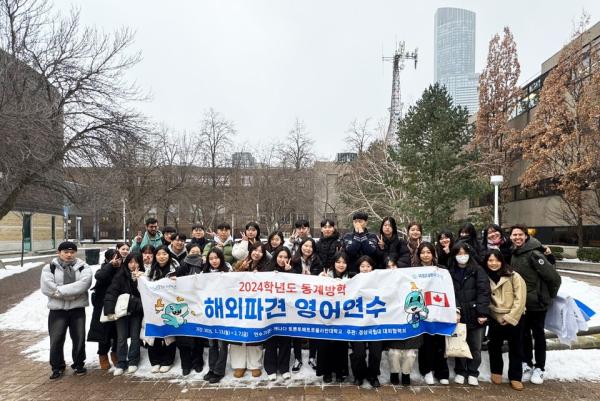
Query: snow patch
(16, 269)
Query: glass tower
(454, 55)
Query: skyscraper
(454, 55)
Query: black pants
(312, 348)
(104, 347)
(431, 357)
(58, 323)
(332, 358)
(533, 329)
(277, 355)
(191, 352)
(161, 354)
(470, 367)
(217, 356)
(361, 367)
(514, 335)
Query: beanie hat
(67, 246)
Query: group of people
(505, 282)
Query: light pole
(496, 180)
(124, 220)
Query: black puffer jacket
(477, 251)
(472, 292)
(542, 279)
(192, 264)
(101, 332)
(123, 283)
(316, 267)
(327, 248)
(395, 248)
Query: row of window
(546, 187)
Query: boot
(104, 364)
(256, 372)
(237, 373)
(496, 378)
(113, 358)
(516, 385)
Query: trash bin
(92, 256)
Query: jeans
(128, 327)
(58, 323)
(533, 329)
(217, 356)
(470, 367)
(513, 334)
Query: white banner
(251, 307)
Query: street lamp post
(124, 220)
(496, 180)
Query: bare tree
(359, 136)
(63, 96)
(297, 150)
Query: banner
(251, 307)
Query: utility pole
(396, 103)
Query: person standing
(66, 281)
(390, 246)
(151, 237)
(360, 242)
(543, 282)
(199, 236)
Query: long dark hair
(276, 253)
(340, 255)
(156, 272)
(468, 228)
(505, 269)
(446, 233)
(263, 262)
(268, 246)
(222, 265)
(392, 222)
(298, 256)
(431, 248)
(135, 256)
(496, 228)
(256, 226)
(109, 255)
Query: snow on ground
(576, 260)
(15, 269)
(566, 365)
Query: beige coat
(508, 298)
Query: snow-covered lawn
(576, 260)
(568, 365)
(15, 269)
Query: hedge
(589, 254)
(557, 251)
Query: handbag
(120, 309)
(456, 344)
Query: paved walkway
(27, 380)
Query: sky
(265, 63)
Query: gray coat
(66, 296)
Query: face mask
(462, 259)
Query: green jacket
(146, 240)
(541, 277)
(227, 249)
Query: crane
(396, 104)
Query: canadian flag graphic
(436, 299)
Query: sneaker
(472, 380)
(312, 362)
(208, 375)
(459, 379)
(405, 380)
(445, 382)
(165, 368)
(286, 376)
(297, 365)
(272, 377)
(198, 368)
(80, 371)
(155, 368)
(394, 379)
(186, 372)
(527, 371)
(537, 376)
(56, 374)
(118, 372)
(429, 379)
(132, 369)
(215, 378)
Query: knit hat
(67, 246)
